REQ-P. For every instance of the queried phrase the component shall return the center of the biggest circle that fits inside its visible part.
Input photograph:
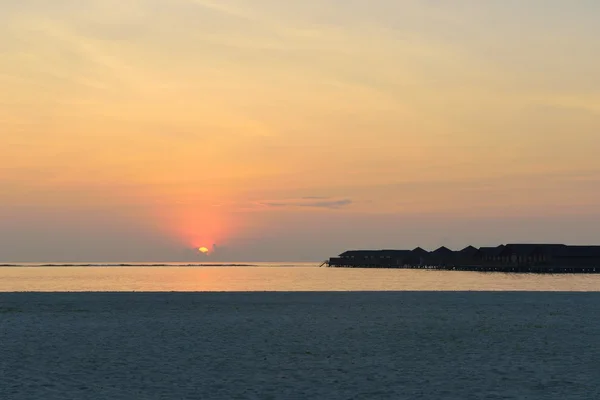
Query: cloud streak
(308, 202)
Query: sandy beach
(399, 345)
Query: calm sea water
(273, 277)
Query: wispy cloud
(309, 202)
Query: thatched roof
(579, 251)
(530, 248)
(375, 253)
(469, 250)
(492, 251)
(442, 250)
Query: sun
(203, 250)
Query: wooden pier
(484, 268)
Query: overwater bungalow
(515, 257)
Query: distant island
(139, 264)
(532, 258)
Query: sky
(272, 130)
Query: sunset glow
(285, 129)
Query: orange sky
(185, 123)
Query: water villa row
(537, 258)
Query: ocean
(274, 331)
(266, 277)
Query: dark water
(319, 345)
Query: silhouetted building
(514, 257)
